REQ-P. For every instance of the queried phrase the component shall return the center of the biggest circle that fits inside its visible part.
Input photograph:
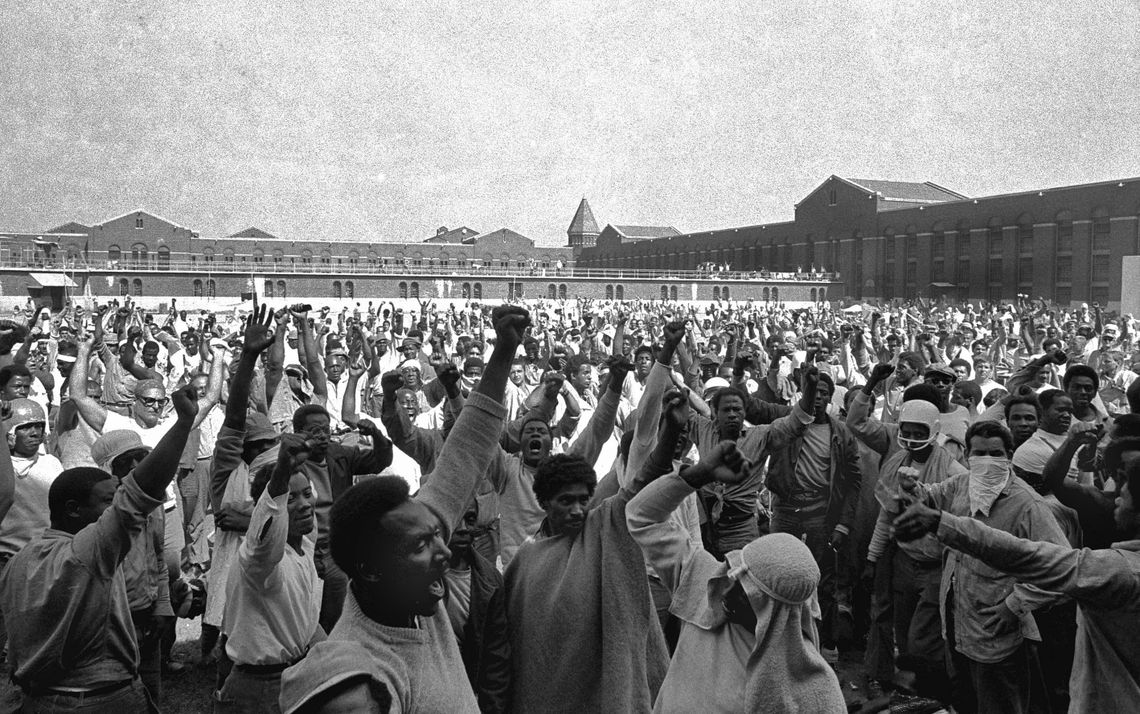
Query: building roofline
(142, 210)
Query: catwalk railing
(391, 268)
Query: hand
(552, 383)
(742, 361)
(134, 332)
(809, 379)
(916, 521)
(185, 403)
(675, 409)
(390, 383)
(357, 369)
(881, 372)
(448, 376)
(838, 540)
(674, 332)
(724, 464)
(999, 619)
(619, 367)
(229, 518)
(868, 574)
(294, 449)
(258, 335)
(510, 323)
(1060, 357)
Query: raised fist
(674, 332)
(390, 383)
(510, 322)
(882, 371)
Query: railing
(393, 268)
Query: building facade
(889, 239)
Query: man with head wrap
(748, 638)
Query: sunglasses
(154, 402)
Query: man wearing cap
(410, 348)
(954, 419)
(34, 473)
(72, 642)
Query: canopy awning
(943, 285)
(53, 280)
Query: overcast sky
(384, 120)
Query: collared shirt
(65, 600)
(975, 586)
(274, 598)
(1106, 586)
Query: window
(211, 289)
(1100, 294)
(414, 289)
(822, 294)
(673, 292)
(326, 259)
(477, 291)
(258, 255)
(664, 292)
(994, 271)
(724, 292)
(518, 290)
(198, 289)
(1064, 295)
(552, 291)
(963, 242)
(716, 292)
(938, 271)
(403, 291)
(619, 292)
(1100, 234)
(138, 255)
(336, 291)
(1100, 267)
(268, 288)
(467, 291)
(814, 295)
(114, 255)
(911, 245)
(1064, 268)
(938, 245)
(1025, 240)
(831, 197)
(136, 287)
(228, 256)
(775, 294)
(911, 274)
(278, 256)
(994, 240)
(1064, 237)
(349, 289)
(163, 258)
(208, 255)
(281, 289)
(138, 222)
(1025, 270)
(609, 292)
(767, 294)
(124, 287)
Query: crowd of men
(572, 506)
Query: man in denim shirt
(986, 615)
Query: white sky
(384, 120)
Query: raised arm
(155, 472)
(600, 428)
(275, 370)
(313, 361)
(92, 412)
(469, 448)
(866, 428)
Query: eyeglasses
(318, 430)
(154, 401)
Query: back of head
(355, 519)
(72, 485)
(923, 391)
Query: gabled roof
(583, 220)
(454, 235)
(145, 213)
(907, 191)
(70, 227)
(254, 233)
(634, 233)
(502, 233)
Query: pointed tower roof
(583, 220)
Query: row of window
(139, 257)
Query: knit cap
(778, 565)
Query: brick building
(892, 239)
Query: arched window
(197, 288)
(326, 259)
(562, 291)
(519, 290)
(673, 292)
(281, 289)
(306, 257)
(822, 294)
(138, 255)
(211, 289)
(767, 294)
(278, 255)
(114, 255)
(813, 295)
(414, 289)
(664, 292)
(336, 291)
(208, 255)
(258, 255)
(268, 288)
(477, 291)
(349, 289)
(775, 294)
(136, 287)
(124, 287)
(609, 292)
(467, 291)
(228, 256)
(619, 292)
(716, 292)
(163, 258)
(724, 293)
(403, 291)
(552, 291)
